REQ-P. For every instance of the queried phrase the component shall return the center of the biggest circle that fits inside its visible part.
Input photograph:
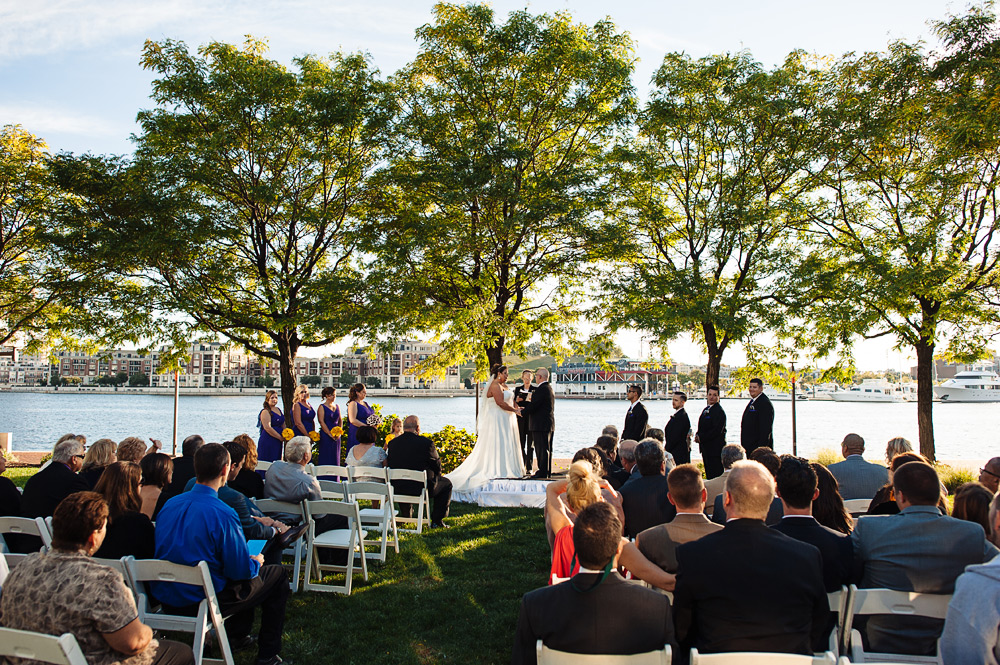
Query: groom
(540, 407)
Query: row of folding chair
(61, 650)
(25, 526)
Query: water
(963, 431)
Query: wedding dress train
(497, 453)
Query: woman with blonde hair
(98, 457)
(582, 488)
(247, 482)
(270, 422)
(897, 446)
(303, 415)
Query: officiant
(524, 436)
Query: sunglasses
(982, 471)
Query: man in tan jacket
(731, 454)
(687, 493)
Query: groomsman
(521, 393)
(636, 420)
(540, 407)
(758, 419)
(677, 431)
(711, 436)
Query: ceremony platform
(506, 492)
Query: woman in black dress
(129, 531)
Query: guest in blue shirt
(198, 526)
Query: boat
(824, 392)
(970, 386)
(870, 390)
(776, 395)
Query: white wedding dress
(497, 453)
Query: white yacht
(870, 390)
(824, 391)
(776, 395)
(970, 386)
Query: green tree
(498, 174)
(373, 382)
(347, 379)
(712, 185)
(910, 228)
(55, 380)
(228, 382)
(312, 380)
(140, 379)
(241, 209)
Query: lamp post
(474, 212)
(794, 437)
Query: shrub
(953, 478)
(827, 456)
(45, 459)
(453, 445)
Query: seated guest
(256, 525)
(657, 433)
(798, 487)
(582, 487)
(366, 453)
(857, 478)
(989, 475)
(10, 497)
(748, 587)
(764, 455)
(64, 591)
(896, 446)
(687, 493)
(612, 431)
(183, 468)
(129, 532)
(644, 499)
(197, 526)
(917, 550)
(289, 481)
(409, 450)
(132, 449)
(884, 502)
(828, 508)
(100, 454)
(45, 489)
(248, 482)
(972, 504)
(157, 471)
(608, 442)
(599, 462)
(731, 453)
(626, 453)
(616, 474)
(633, 619)
(972, 628)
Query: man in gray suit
(858, 479)
(917, 550)
(731, 453)
(687, 493)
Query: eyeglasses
(986, 471)
(80, 456)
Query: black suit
(712, 438)
(749, 588)
(758, 421)
(676, 436)
(523, 434)
(835, 548)
(412, 451)
(636, 422)
(541, 412)
(183, 472)
(645, 503)
(45, 489)
(616, 617)
(774, 513)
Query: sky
(70, 72)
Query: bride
(497, 453)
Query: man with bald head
(989, 475)
(409, 450)
(748, 587)
(857, 478)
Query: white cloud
(45, 121)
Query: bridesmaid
(358, 413)
(329, 417)
(303, 414)
(270, 421)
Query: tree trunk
(925, 397)
(714, 354)
(288, 346)
(494, 352)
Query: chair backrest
(407, 474)
(62, 650)
(366, 491)
(333, 490)
(857, 506)
(120, 566)
(327, 507)
(271, 506)
(14, 559)
(263, 466)
(331, 470)
(903, 603)
(753, 658)
(25, 526)
(158, 570)
(547, 656)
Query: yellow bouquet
(287, 433)
(337, 431)
(389, 437)
(314, 436)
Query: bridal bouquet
(374, 420)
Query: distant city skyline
(71, 75)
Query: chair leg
(200, 632)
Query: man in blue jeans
(197, 526)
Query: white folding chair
(547, 656)
(13, 559)
(421, 501)
(348, 539)
(263, 466)
(26, 526)
(342, 472)
(209, 615)
(839, 601)
(857, 507)
(382, 518)
(273, 507)
(121, 566)
(62, 650)
(333, 490)
(896, 603)
(755, 658)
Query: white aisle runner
(506, 492)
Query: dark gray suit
(645, 502)
(917, 550)
(857, 478)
